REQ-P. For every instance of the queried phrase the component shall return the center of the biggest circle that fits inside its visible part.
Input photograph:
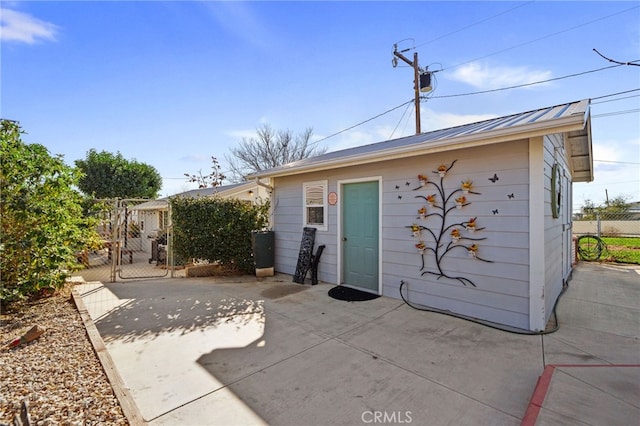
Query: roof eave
(581, 156)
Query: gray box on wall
(263, 252)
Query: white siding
(501, 294)
(537, 205)
(556, 253)
(288, 223)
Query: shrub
(216, 229)
(43, 226)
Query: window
(315, 204)
(163, 219)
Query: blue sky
(171, 84)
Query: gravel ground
(59, 373)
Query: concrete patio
(246, 351)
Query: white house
(153, 216)
(501, 255)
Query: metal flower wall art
(435, 219)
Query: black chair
(315, 259)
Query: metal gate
(135, 241)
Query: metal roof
(571, 118)
(163, 203)
(209, 191)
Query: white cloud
(605, 152)
(483, 76)
(23, 28)
(616, 172)
(241, 20)
(350, 139)
(615, 155)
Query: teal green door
(360, 229)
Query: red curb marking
(542, 387)
(539, 394)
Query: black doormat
(351, 294)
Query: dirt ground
(58, 374)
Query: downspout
(264, 185)
(271, 207)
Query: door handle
(344, 238)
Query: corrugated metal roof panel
(210, 191)
(511, 124)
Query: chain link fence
(608, 224)
(607, 236)
(134, 241)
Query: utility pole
(418, 84)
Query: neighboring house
(364, 202)
(634, 210)
(153, 216)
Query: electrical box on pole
(421, 80)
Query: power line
(474, 93)
(523, 85)
(633, 63)
(362, 122)
(614, 100)
(607, 114)
(617, 162)
(474, 24)
(406, 123)
(616, 94)
(488, 91)
(400, 121)
(544, 37)
(592, 184)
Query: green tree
(107, 175)
(43, 226)
(589, 210)
(270, 149)
(616, 208)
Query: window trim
(324, 205)
(163, 219)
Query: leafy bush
(43, 226)
(216, 229)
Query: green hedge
(216, 229)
